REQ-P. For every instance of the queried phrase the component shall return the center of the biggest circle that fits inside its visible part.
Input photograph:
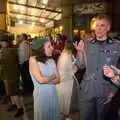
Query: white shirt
(23, 51)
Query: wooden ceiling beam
(35, 7)
(26, 21)
(18, 13)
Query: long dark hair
(70, 47)
(40, 54)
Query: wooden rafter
(29, 6)
(18, 13)
(26, 21)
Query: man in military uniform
(96, 90)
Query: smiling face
(102, 28)
(48, 49)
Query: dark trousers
(114, 106)
(92, 109)
(2, 88)
(27, 82)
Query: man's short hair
(25, 36)
(104, 16)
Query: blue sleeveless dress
(46, 105)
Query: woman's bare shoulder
(32, 59)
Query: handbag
(79, 74)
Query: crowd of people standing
(62, 68)
(96, 89)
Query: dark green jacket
(10, 64)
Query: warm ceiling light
(44, 1)
(20, 22)
(22, 8)
(42, 6)
(20, 1)
(42, 20)
(18, 16)
(33, 23)
(75, 31)
(33, 18)
(61, 28)
(15, 7)
(93, 23)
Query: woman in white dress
(66, 69)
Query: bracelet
(116, 79)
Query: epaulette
(109, 40)
(116, 41)
(93, 41)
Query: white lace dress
(65, 68)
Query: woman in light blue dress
(45, 77)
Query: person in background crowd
(90, 35)
(45, 76)
(29, 37)
(24, 54)
(78, 76)
(10, 77)
(23, 49)
(58, 46)
(113, 73)
(1, 82)
(95, 88)
(66, 69)
(117, 36)
(18, 38)
(4, 98)
(76, 38)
